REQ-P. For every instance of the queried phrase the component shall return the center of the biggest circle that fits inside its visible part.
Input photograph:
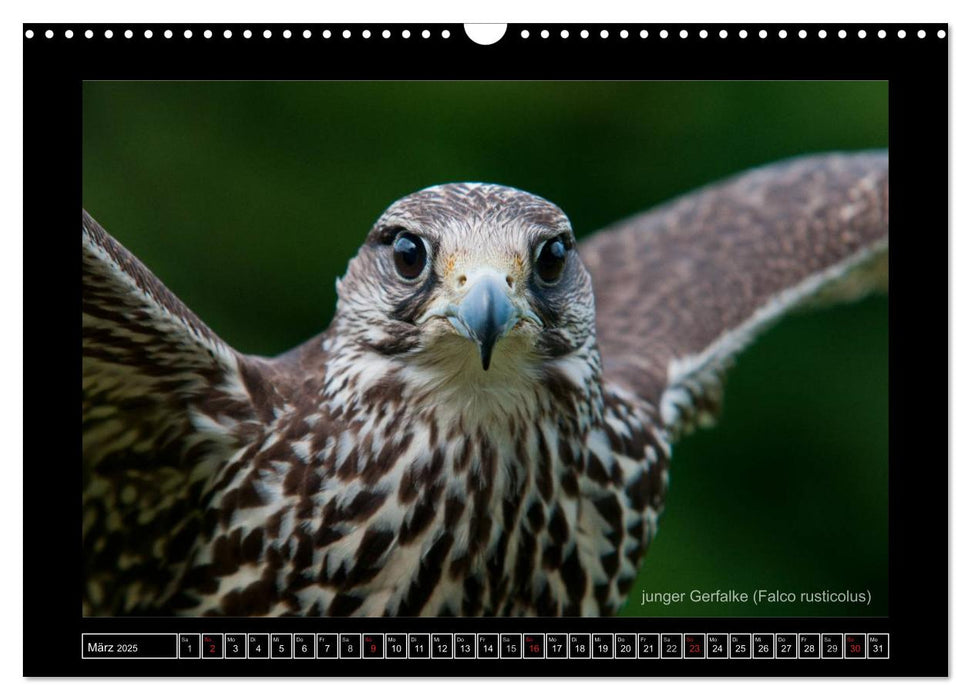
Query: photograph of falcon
(486, 425)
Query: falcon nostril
(461, 280)
(509, 281)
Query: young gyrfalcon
(485, 426)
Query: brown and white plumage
(471, 440)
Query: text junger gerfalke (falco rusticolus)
(485, 427)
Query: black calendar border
(917, 71)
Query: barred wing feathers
(164, 401)
(682, 289)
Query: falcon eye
(551, 259)
(409, 255)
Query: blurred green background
(248, 199)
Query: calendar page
(444, 349)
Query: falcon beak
(485, 314)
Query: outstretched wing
(164, 400)
(682, 289)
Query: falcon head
(471, 279)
